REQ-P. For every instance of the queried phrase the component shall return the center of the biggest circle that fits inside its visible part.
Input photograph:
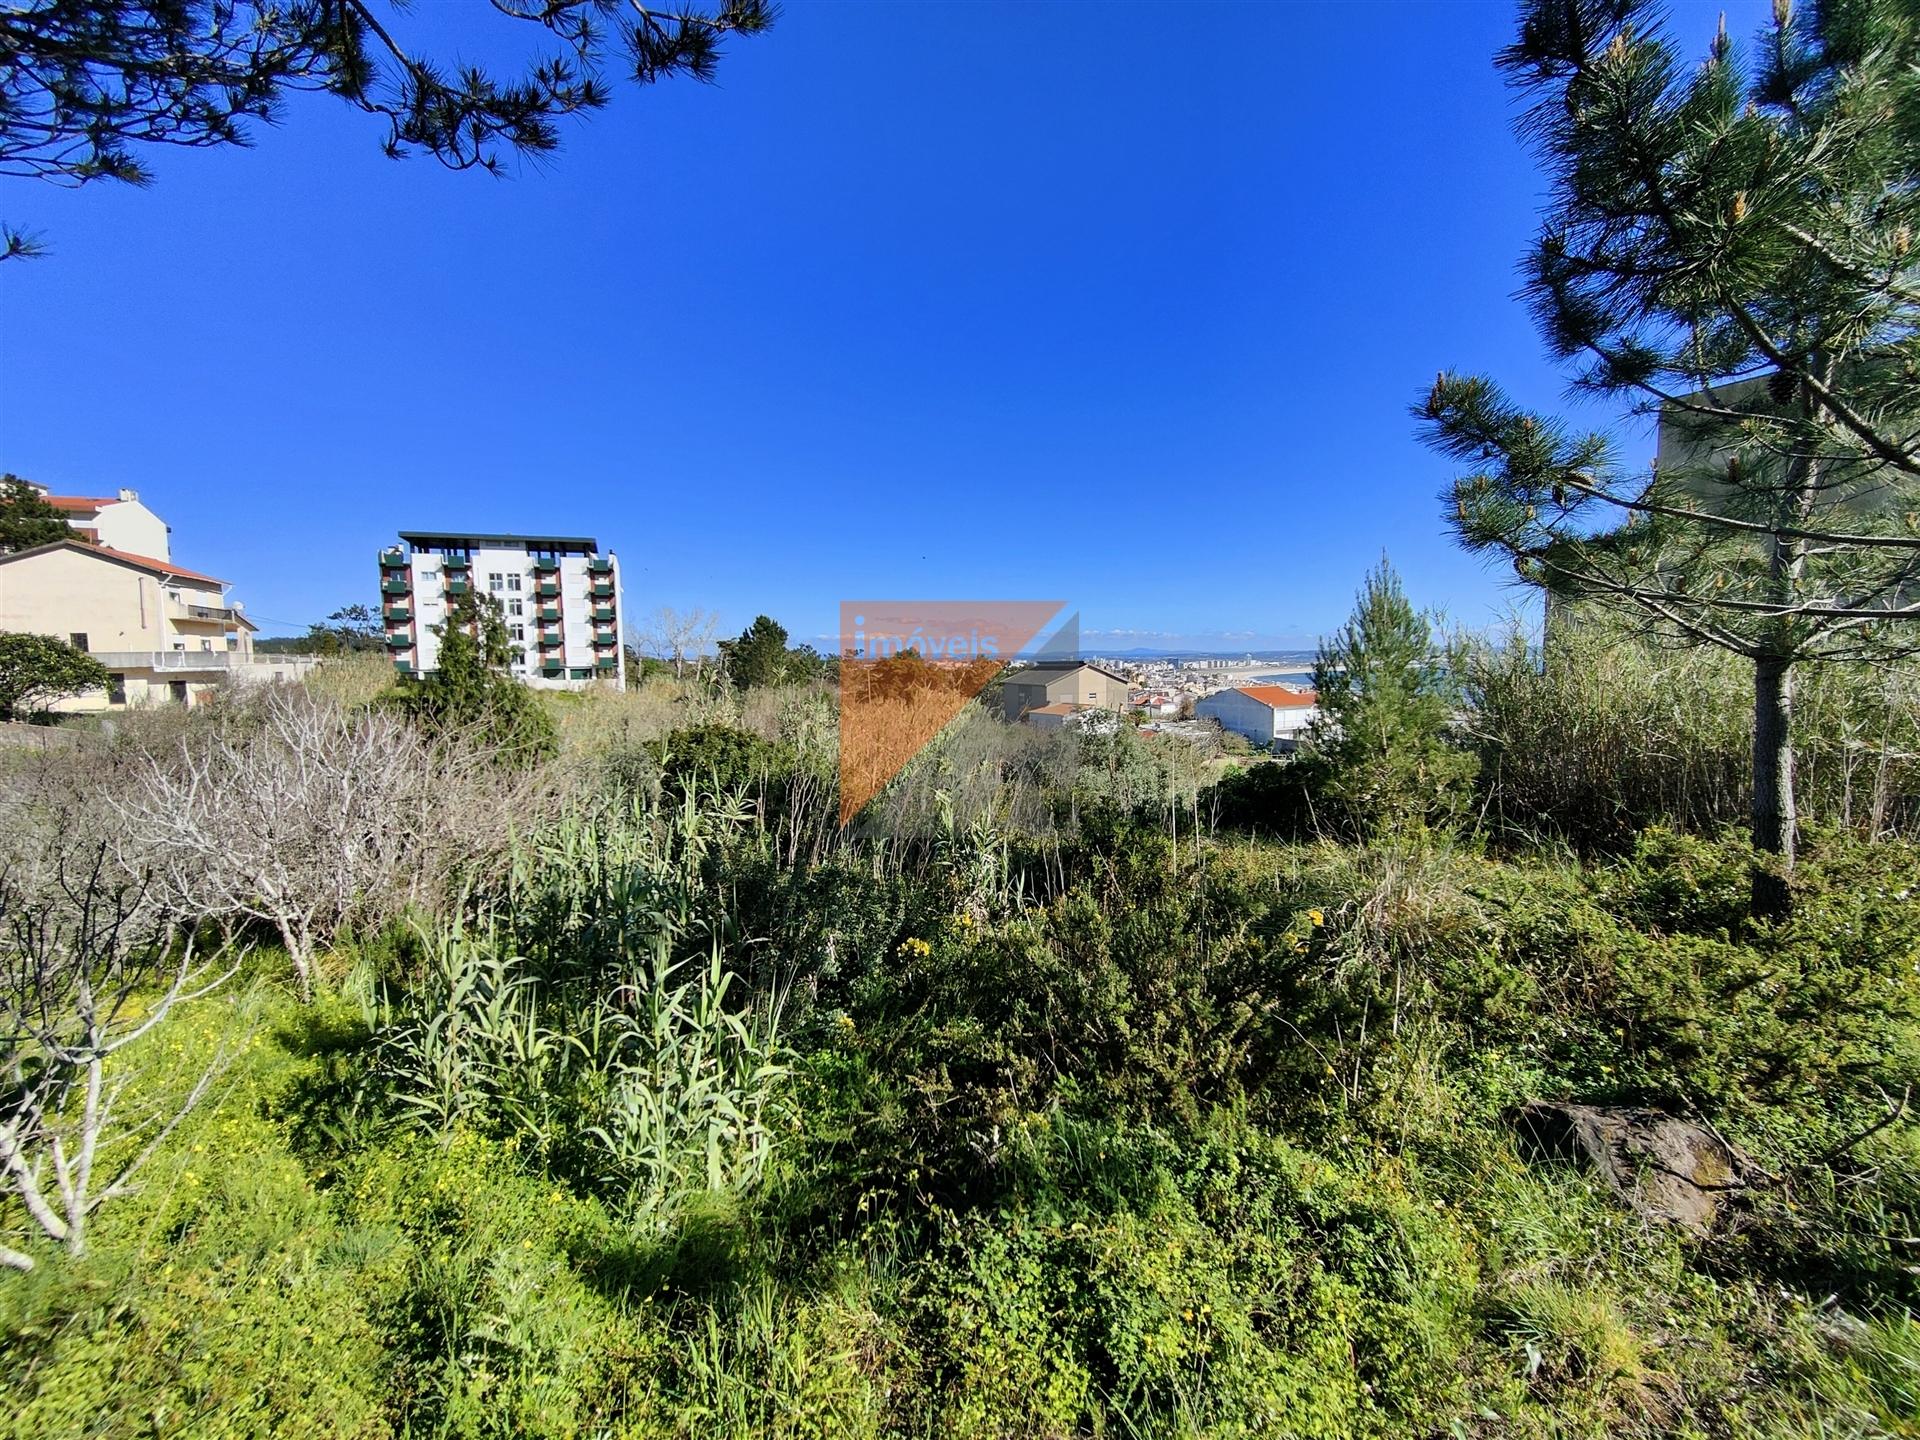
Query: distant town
(169, 634)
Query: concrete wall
(68, 592)
(129, 525)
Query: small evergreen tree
(36, 670)
(1380, 743)
(26, 519)
(758, 656)
(472, 689)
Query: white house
(119, 522)
(1265, 714)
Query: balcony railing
(459, 587)
(603, 589)
(549, 612)
(395, 587)
(604, 638)
(455, 562)
(552, 665)
(401, 613)
(603, 612)
(545, 565)
(601, 565)
(550, 589)
(394, 559)
(205, 662)
(550, 641)
(399, 642)
(402, 665)
(606, 662)
(207, 614)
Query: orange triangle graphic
(907, 667)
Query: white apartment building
(560, 596)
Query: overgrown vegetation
(1037, 1102)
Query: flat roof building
(559, 596)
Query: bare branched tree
(309, 819)
(676, 636)
(89, 968)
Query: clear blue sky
(1118, 304)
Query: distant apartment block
(1275, 715)
(165, 633)
(559, 594)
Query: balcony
(551, 640)
(402, 665)
(603, 613)
(394, 559)
(455, 562)
(606, 663)
(603, 589)
(551, 665)
(549, 612)
(603, 639)
(208, 664)
(400, 641)
(459, 587)
(395, 587)
(601, 565)
(550, 589)
(545, 565)
(399, 613)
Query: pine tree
(471, 690)
(1730, 246)
(758, 656)
(26, 519)
(1379, 743)
(87, 85)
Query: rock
(1663, 1167)
(1847, 1334)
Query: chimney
(126, 494)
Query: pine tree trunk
(1775, 819)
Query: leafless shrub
(89, 967)
(309, 819)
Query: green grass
(1173, 1146)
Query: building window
(519, 632)
(513, 583)
(516, 607)
(116, 689)
(580, 674)
(78, 639)
(496, 582)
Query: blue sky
(1123, 305)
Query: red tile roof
(1279, 697)
(161, 567)
(77, 503)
